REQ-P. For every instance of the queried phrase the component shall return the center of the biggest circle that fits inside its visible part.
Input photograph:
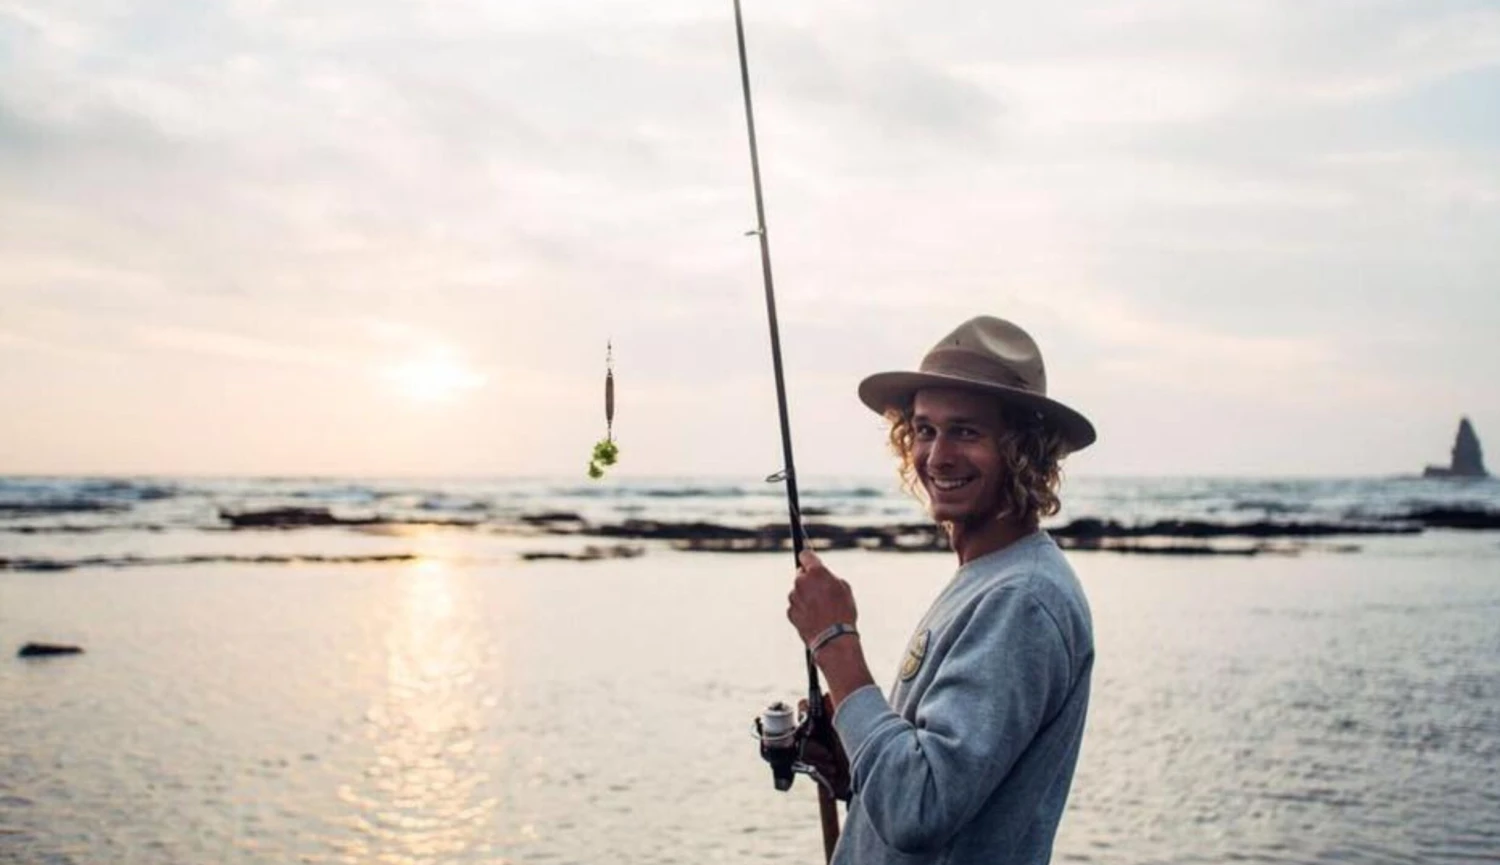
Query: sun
(435, 378)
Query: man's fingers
(809, 560)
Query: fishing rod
(782, 734)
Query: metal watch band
(829, 634)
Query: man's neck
(973, 541)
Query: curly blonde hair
(1030, 451)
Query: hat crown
(989, 355)
(991, 350)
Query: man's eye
(924, 431)
(965, 432)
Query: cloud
(245, 348)
(1293, 198)
(1415, 53)
(876, 83)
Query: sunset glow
(433, 379)
(1240, 232)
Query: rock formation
(47, 650)
(1468, 459)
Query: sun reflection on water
(421, 798)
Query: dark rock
(82, 530)
(129, 561)
(287, 518)
(551, 517)
(1090, 528)
(1158, 549)
(309, 517)
(556, 522)
(1171, 547)
(1467, 457)
(47, 650)
(666, 531)
(589, 553)
(776, 537)
(1084, 533)
(1456, 518)
(34, 565)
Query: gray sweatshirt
(970, 760)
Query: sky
(393, 237)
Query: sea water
(465, 706)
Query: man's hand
(818, 599)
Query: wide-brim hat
(984, 354)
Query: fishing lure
(606, 452)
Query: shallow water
(1316, 709)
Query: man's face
(956, 454)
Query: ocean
(401, 684)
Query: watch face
(915, 654)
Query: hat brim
(884, 391)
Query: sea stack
(1468, 459)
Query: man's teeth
(946, 485)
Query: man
(971, 758)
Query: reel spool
(781, 735)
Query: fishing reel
(784, 733)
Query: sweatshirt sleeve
(1003, 675)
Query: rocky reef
(1468, 458)
(315, 517)
(591, 541)
(47, 650)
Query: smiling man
(971, 757)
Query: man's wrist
(837, 651)
(829, 634)
(843, 664)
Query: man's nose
(941, 453)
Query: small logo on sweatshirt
(915, 654)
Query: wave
(62, 505)
(40, 497)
